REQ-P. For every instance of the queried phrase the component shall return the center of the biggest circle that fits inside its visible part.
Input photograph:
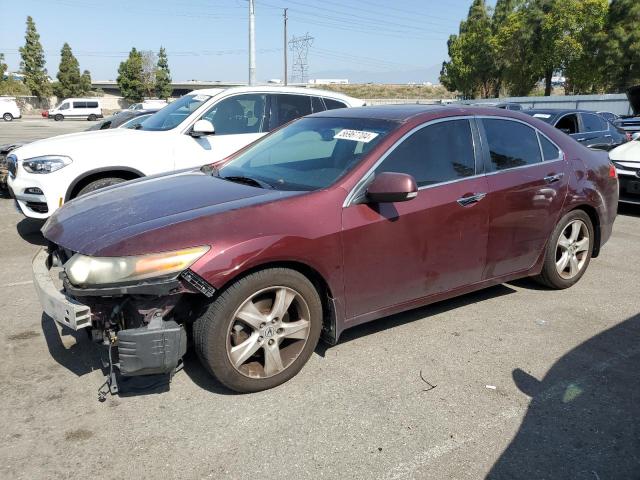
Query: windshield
(173, 114)
(309, 154)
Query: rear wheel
(7, 117)
(98, 184)
(568, 251)
(92, 118)
(58, 117)
(261, 330)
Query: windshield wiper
(248, 181)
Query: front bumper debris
(64, 310)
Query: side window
(511, 144)
(64, 106)
(593, 123)
(549, 150)
(333, 104)
(79, 105)
(317, 105)
(238, 114)
(92, 104)
(568, 124)
(437, 153)
(289, 107)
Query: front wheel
(7, 117)
(98, 184)
(568, 251)
(58, 117)
(261, 330)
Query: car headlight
(46, 163)
(83, 270)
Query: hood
(633, 95)
(627, 152)
(76, 142)
(97, 223)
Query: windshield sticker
(201, 98)
(355, 135)
(541, 115)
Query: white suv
(202, 127)
(9, 109)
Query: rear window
(511, 144)
(333, 104)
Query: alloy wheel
(572, 249)
(268, 332)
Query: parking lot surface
(29, 129)
(511, 382)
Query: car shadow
(583, 421)
(29, 230)
(393, 321)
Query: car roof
(275, 89)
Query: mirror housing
(635, 136)
(389, 187)
(202, 128)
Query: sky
(378, 41)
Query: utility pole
(252, 43)
(285, 45)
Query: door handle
(607, 136)
(553, 178)
(581, 139)
(471, 199)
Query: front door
(398, 252)
(527, 181)
(595, 130)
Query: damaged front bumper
(143, 325)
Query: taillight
(612, 171)
(629, 137)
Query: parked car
(88, 108)
(9, 109)
(181, 135)
(151, 104)
(4, 171)
(626, 159)
(586, 127)
(631, 124)
(124, 119)
(337, 219)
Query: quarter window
(333, 104)
(317, 105)
(238, 114)
(549, 150)
(436, 153)
(511, 144)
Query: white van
(88, 108)
(9, 109)
(149, 104)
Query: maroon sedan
(339, 218)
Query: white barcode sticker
(541, 115)
(355, 135)
(201, 98)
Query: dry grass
(391, 91)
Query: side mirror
(635, 136)
(389, 187)
(202, 128)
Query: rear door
(527, 179)
(594, 130)
(399, 252)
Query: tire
(92, 118)
(220, 330)
(7, 117)
(58, 117)
(578, 251)
(98, 184)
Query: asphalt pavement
(515, 381)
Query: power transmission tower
(285, 46)
(299, 47)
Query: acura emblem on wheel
(269, 332)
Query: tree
(33, 63)
(85, 83)
(3, 68)
(130, 79)
(149, 61)
(621, 44)
(163, 76)
(471, 69)
(68, 84)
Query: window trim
(356, 191)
